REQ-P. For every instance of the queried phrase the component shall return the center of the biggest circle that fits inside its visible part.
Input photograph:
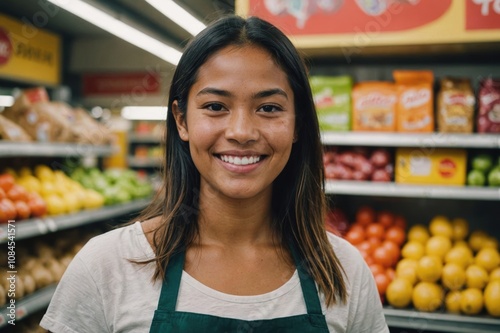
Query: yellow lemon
(492, 298)
(427, 296)
(488, 258)
(471, 301)
(441, 226)
(418, 233)
(477, 239)
(460, 229)
(453, 276)
(437, 246)
(407, 271)
(399, 293)
(490, 242)
(495, 275)
(55, 205)
(452, 301)
(413, 250)
(460, 255)
(44, 173)
(476, 277)
(429, 268)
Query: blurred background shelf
(31, 149)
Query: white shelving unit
(30, 149)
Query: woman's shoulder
(348, 255)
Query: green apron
(166, 319)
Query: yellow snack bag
(374, 105)
(414, 111)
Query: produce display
(42, 263)
(358, 164)
(114, 185)
(442, 266)
(445, 266)
(484, 170)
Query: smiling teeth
(236, 160)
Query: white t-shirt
(102, 291)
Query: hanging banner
(29, 54)
(98, 84)
(337, 24)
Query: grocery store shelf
(441, 322)
(143, 162)
(144, 138)
(422, 140)
(32, 149)
(391, 189)
(29, 304)
(40, 226)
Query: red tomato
(355, 236)
(365, 246)
(382, 281)
(37, 206)
(382, 256)
(393, 251)
(365, 215)
(375, 242)
(391, 273)
(395, 234)
(385, 218)
(377, 269)
(6, 181)
(369, 260)
(17, 192)
(7, 210)
(375, 230)
(2, 194)
(22, 209)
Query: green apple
(494, 177)
(482, 162)
(476, 178)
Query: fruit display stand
(428, 198)
(38, 227)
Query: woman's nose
(242, 127)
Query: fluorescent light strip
(6, 100)
(120, 29)
(144, 112)
(179, 15)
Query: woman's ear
(180, 121)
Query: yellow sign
(29, 54)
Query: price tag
(51, 224)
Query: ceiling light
(120, 29)
(144, 112)
(179, 15)
(6, 100)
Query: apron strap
(307, 284)
(171, 282)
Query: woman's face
(240, 122)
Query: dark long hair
(298, 200)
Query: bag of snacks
(456, 102)
(11, 131)
(414, 111)
(488, 120)
(374, 106)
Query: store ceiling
(44, 15)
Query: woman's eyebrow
(258, 95)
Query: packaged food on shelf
(455, 106)
(415, 106)
(11, 131)
(374, 106)
(332, 97)
(431, 166)
(488, 119)
(47, 121)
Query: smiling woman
(235, 240)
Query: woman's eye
(270, 108)
(214, 107)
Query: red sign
(447, 168)
(309, 17)
(121, 83)
(482, 14)
(5, 47)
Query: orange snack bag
(374, 106)
(415, 107)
